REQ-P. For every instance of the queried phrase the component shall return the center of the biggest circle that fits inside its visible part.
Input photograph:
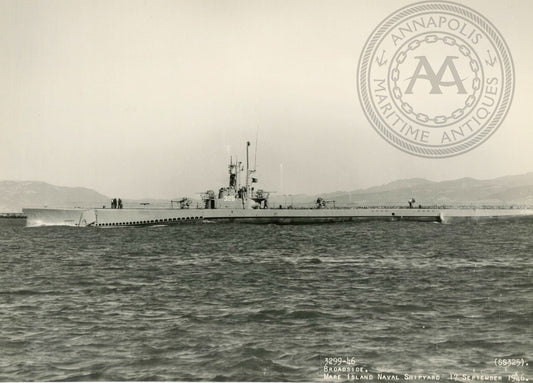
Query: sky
(151, 98)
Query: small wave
(470, 344)
(93, 376)
(259, 352)
(254, 364)
(305, 314)
(268, 314)
(30, 292)
(413, 308)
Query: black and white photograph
(266, 191)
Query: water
(263, 303)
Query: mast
(247, 169)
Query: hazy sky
(149, 98)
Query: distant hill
(14, 195)
(508, 190)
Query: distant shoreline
(12, 215)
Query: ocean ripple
(227, 302)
